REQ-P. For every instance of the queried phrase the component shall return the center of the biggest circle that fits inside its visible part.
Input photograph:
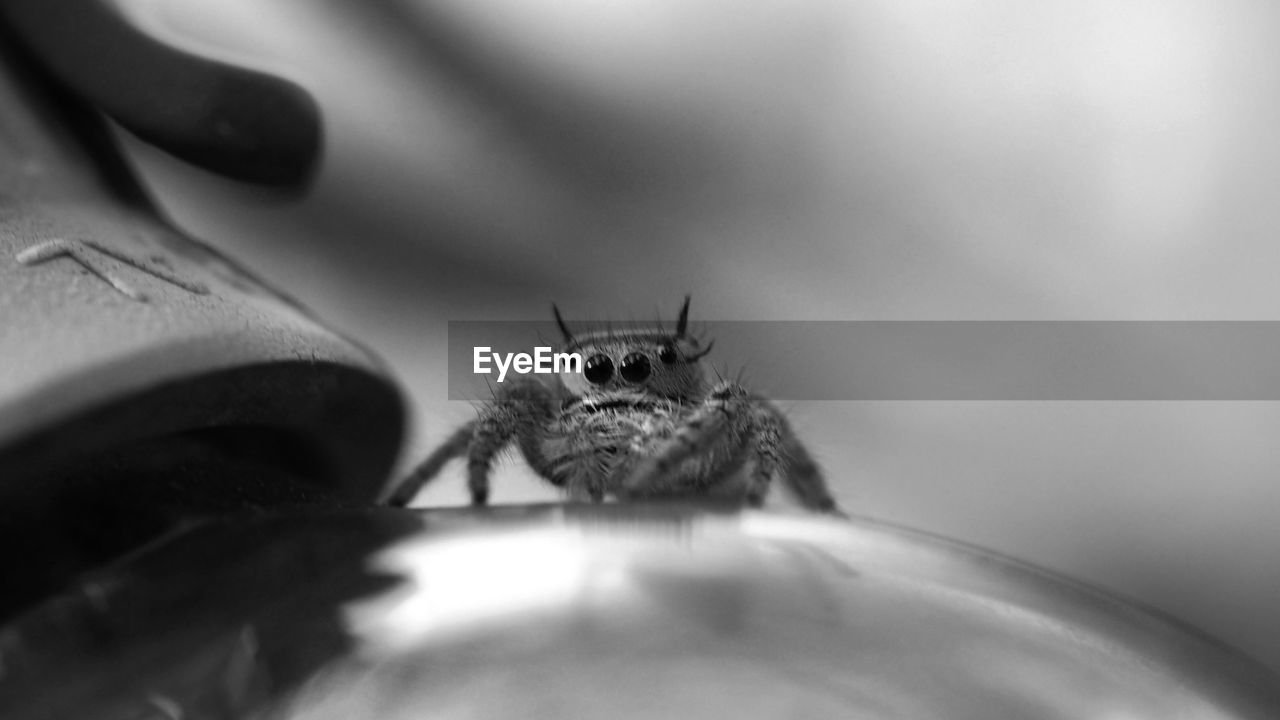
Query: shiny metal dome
(580, 611)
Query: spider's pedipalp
(754, 428)
(703, 428)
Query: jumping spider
(639, 421)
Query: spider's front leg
(520, 408)
(749, 422)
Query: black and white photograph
(631, 359)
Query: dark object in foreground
(237, 122)
(588, 611)
(145, 378)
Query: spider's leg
(805, 479)
(519, 409)
(704, 428)
(778, 450)
(765, 430)
(456, 446)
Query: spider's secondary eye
(667, 354)
(635, 367)
(598, 369)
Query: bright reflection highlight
(457, 583)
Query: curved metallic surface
(615, 611)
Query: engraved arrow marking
(80, 251)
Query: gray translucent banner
(945, 360)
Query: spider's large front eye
(635, 367)
(598, 369)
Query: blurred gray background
(820, 159)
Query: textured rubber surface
(145, 379)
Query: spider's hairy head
(636, 363)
